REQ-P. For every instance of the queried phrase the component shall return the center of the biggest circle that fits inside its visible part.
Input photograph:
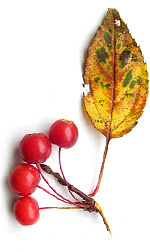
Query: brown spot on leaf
(102, 55)
(124, 58)
(139, 80)
(108, 40)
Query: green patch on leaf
(118, 46)
(96, 79)
(127, 78)
(130, 95)
(135, 58)
(110, 30)
(132, 84)
(107, 85)
(102, 84)
(108, 67)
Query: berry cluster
(25, 177)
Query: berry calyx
(24, 179)
(63, 133)
(35, 148)
(26, 210)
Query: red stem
(52, 194)
(102, 168)
(64, 175)
(46, 181)
(41, 208)
(90, 204)
(68, 201)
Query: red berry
(35, 148)
(23, 179)
(63, 133)
(26, 210)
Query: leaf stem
(102, 168)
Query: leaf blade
(118, 78)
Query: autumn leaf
(118, 79)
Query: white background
(42, 49)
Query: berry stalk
(64, 199)
(43, 208)
(48, 170)
(90, 204)
(64, 175)
(46, 181)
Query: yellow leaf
(118, 79)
